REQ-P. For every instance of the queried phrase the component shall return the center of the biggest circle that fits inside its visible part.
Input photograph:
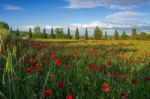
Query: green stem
(44, 86)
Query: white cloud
(127, 19)
(26, 28)
(117, 4)
(126, 14)
(47, 27)
(11, 7)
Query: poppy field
(76, 70)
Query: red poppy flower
(134, 81)
(37, 65)
(122, 54)
(113, 75)
(23, 61)
(40, 71)
(92, 66)
(57, 61)
(31, 60)
(17, 54)
(123, 95)
(87, 69)
(60, 84)
(131, 60)
(147, 78)
(69, 96)
(121, 76)
(47, 92)
(52, 55)
(48, 57)
(109, 63)
(105, 87)
(29, 69)
(66, 65)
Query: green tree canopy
(124, 36)
(143, 36)
(59, 33)
(116, 35)
(37, 29)
(4, 25)
(17, 32)
(134, 35)
(97, 33)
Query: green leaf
(1, 94)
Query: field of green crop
(76, 70)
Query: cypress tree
(68, 33)
(106, 37)
(86, 34)
(116, 35)
(30, 33)
(77, 37)
(17, 32)
(44, 33)
(52, 33)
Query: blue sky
(107, 14)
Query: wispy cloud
(125, 14)
(11, 7)
(127, 19)
(115, 4)
(47, 27)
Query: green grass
(36, 70)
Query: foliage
(17, 32)
(76, 70)
(106, 37)
(59, 33)
(37, 29)
(134, 35)
(4, 25)
(86, 34)
(44, 33)
(116, 35)
(124, 36)
(77, 36)
(68, 33)
(52, 33)
(30, 33)
(98, 34)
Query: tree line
(58, 33)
